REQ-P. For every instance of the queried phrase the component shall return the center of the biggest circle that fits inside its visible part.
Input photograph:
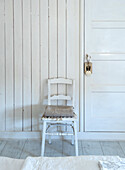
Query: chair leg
(76, 140)
(72, 135)
(73, 139)
(66, 128)
(50, 140)
(43, 138)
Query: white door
(105, 43)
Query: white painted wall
(38, 40)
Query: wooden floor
(23, 148)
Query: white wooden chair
(60, 121)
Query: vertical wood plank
(53, 43)
(9, 64)
(2, 68)
(18, 63)
(70, 44)
(35, 65)
(44, 51)
(81, 66)
(73, 47)
(61, 46)
(26, 66)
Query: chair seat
(58, 111)
(50, 118)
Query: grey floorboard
(68, 148)
(53, 154)
(91, 148)
(2, 145)
(13, 149)
(112, 148)
(22, 149)
(122, 144)
(55, 148)
(80, 148)
(31, 148)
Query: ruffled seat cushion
(58, 111)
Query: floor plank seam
(101, 147)
(22, 149)
(121, 148)
(3, 148)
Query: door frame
(82, 59)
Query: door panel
(108, 10)
(107, 72)
(107, 110)
(105, 88)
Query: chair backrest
(60, 96)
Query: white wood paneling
(53, 51)
(73, 47)
(44, 50)
(35, 64)
(62, 50)
(9, 65)
(26, 66)
(2, 68)
(18, 63)
(38, 40)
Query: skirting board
(81, 135)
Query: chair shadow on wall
(28, 117)
(25, 119)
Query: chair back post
(49, 93)
(73, 100)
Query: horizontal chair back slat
(60, 81)
(61, 96)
